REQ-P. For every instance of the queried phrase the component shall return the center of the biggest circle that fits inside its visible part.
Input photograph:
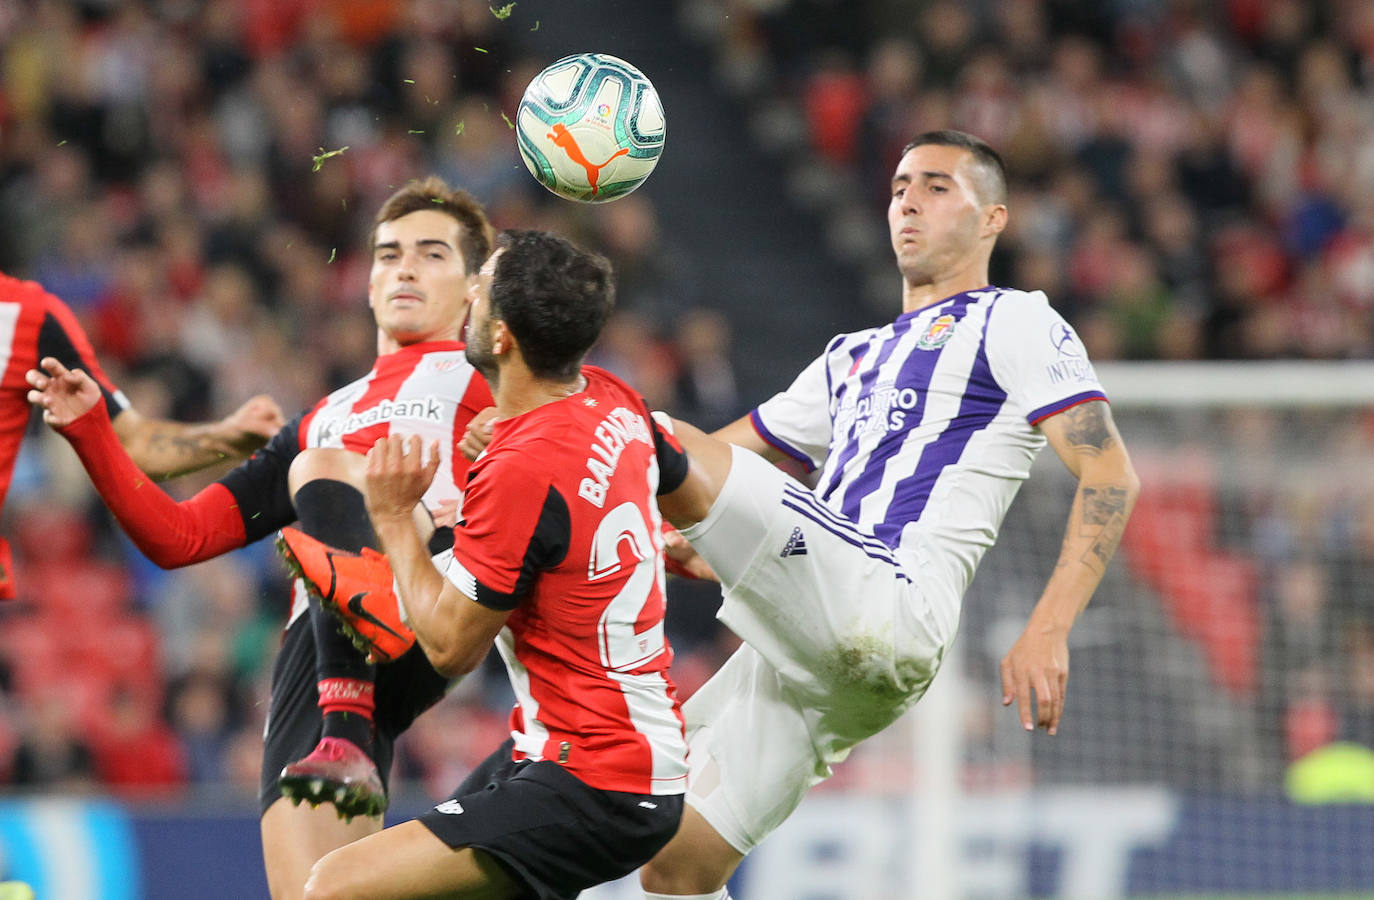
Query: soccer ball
(590, 127)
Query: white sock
(722, 894)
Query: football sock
(335, 512)
(722, 894)
(347, 705)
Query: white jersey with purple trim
(924, 428)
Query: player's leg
(753, 760)
(294, 837)
(793, 572)
(326, 490)
(696, 863)
(512, 829)
(408, 860)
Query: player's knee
(326, 462)
(696, 861)
(325, 881)
(676, 876)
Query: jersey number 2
(622, 648)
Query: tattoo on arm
(180, 444)
(1103, 521)
(173, 452)
(1102, 504)
(1089, 427)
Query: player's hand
(478, 433)
(63, 394)
(445, 514)
(252, 424)
(683, 558)
(399, 471)
(1037, 663)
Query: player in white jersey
(848, 596)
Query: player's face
(418, 289)
(934, 217)
(480, 339)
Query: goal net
(1220, 718)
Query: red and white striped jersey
(560, 525)
(427, 389)
(35, 324)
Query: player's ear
(994, 219)
(501, 339)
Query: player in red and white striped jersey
(559, 559)
(427, 245)
(35, 324)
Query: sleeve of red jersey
(169, 533)
(515, 524)
(672, 459)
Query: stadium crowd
(195, 181)
(1190, 180)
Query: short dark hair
(434, 193)
(553, 296)
(993, 181)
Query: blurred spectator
(834, 103)
(1358, 682)
(654, 278)
(448, 741)
(630, 348)
(135, 748)
(52, 754)
(201, 712)
(706, 391)
(894, 83)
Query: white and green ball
(590, 127)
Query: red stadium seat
(1208, 591)
(83, 590)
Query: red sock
(347, 705)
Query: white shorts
(840, 640)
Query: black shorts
(551, 830)
(405, 689)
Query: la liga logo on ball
(590, 127)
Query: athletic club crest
(937, 333)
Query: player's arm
(1086, 439)
(453, 629)
(742, 433)
(169, 533)
(161, 448)
(165, 449)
